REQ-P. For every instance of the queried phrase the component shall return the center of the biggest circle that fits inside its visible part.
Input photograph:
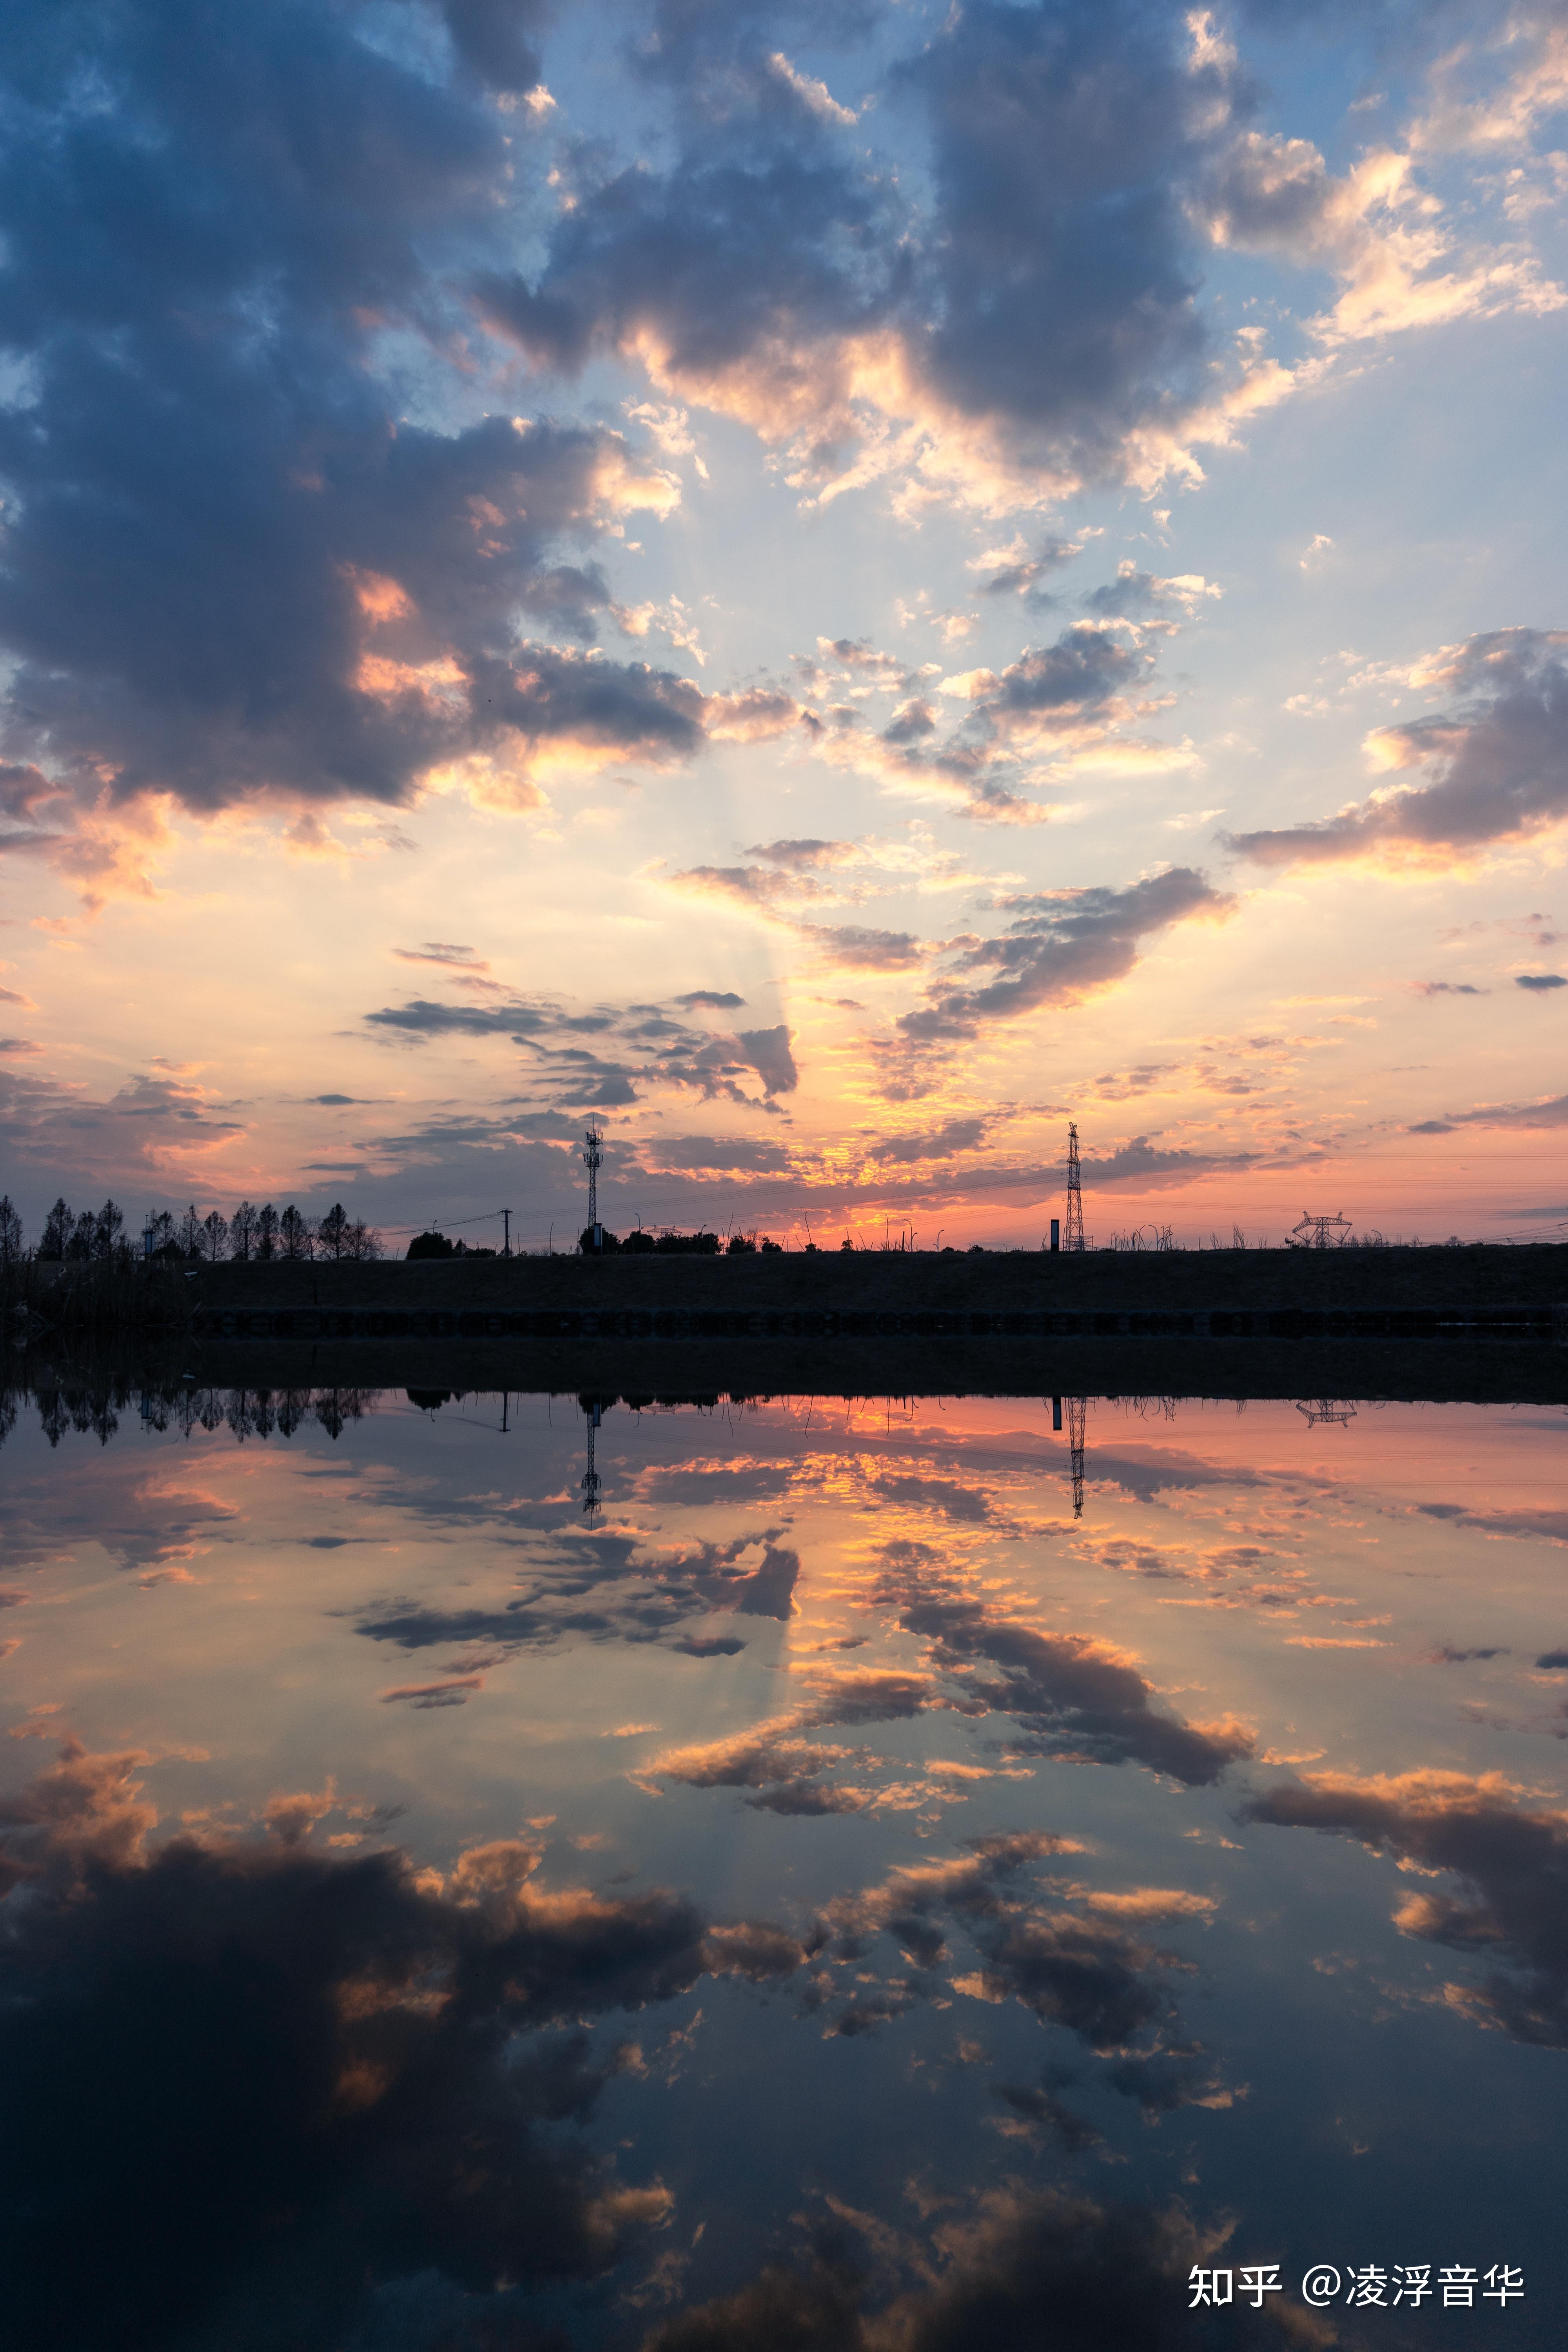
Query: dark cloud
(1060, 945)
(1037, 279)
(1540, 1521)
(1020, 579)
(1550, 1114)
(654, 1048)
(1028, 2267)
(1498, 759)
(492, 38)
(1074, 1696)
(946, 1497)
(1540, 979)
(1446, 988)
(1059, 141)
(933, 1143)
(1509, 1912)
(232, 565)
(252, 2023)
(851, 946)
(719, 1000)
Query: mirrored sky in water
(832, 1897)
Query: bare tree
(242, 1232)
(214, 1237)
(108, 1227)
(329, 1232)
(188, 1233)
(362, 1240)
(266, 1241)
(10, 1234)
(294, 1235)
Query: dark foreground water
(830, 1896)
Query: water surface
(827, 1892)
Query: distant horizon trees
(98, 1236)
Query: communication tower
(593, 1159)
(1073, 1237)
(590, 1481)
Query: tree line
(98, 1236)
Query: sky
(838, 586)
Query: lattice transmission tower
(1077, 1411)
(1328, 1410)
(1072, 1238)
(1319, 1232)
(593, 1159)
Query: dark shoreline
(1486, 1323)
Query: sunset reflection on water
(829, 1893)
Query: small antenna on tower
(1072, 1239)
(593, 1159)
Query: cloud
(852, 946)
(1552, 1113)
(1499, 760)
(281, 585)
(1540, 979)
(431, 2131)
(443, 952)
(1446, 988)
(1025, 322)
(1023, 2266)
(154, 1128)
(1135, 594)
(1509, 1864)
(1061, 945)
(1072, 1695)
(718, 999)
(651, 1048)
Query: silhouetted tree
(294, 1238)
(242, 1233)
(59, 1227)
(108, 1227)
(331, 1230)
(188, 1233)
(430, 1245)
(214, 1237)
(362, 1240)
(166, 1244)
(84, 1232)
(10, 1233)
(266, 1242)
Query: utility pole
(593, 1159)
(506, 1246)
(1073, 1237)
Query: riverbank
(1487, 1279)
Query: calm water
(832, 1895)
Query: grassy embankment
(1473, 1280)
